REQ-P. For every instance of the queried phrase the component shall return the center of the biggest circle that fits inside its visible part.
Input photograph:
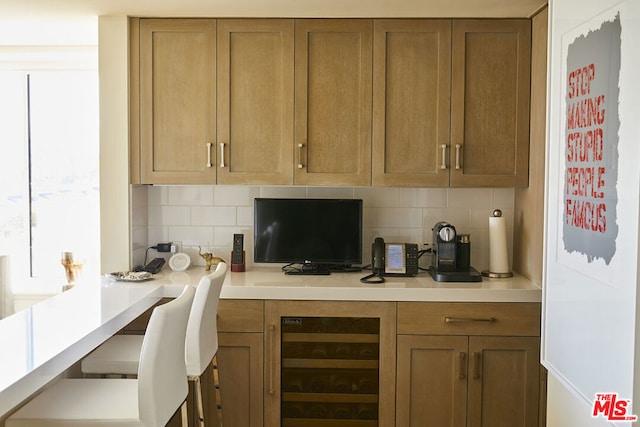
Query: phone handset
(377, 262)
(377, 256)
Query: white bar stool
(120, 353)
(150, 400)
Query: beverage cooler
(329, 370)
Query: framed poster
(587, 226)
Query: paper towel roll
(498, 256)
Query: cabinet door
(503, 381)
(177, 100)
(333, 72)
(431, 381)
(411, 102)
(255, 101)
(490, 91)
(240, 358)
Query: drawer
(236, 315)
(434, 318)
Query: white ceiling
(71, 21)
(274, 8)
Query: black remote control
(237, 256)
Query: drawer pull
(463, 365)
(448, 319)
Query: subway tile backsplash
(207, 216)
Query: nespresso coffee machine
(451, 255)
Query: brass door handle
(300, 164)
(476, 365)
(209, 154)
(443, 164)
(222, 155)
(463, 365)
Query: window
(49, 180)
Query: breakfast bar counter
(43, 341)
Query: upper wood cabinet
(177, 92)
(333, 83)
(490, 92)
(352, 102)
(255, 101)
(411, 102)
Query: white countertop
(41, 342)
(272, 283)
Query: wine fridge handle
(271, 343)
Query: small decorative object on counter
(498, 256)
(72, 269)
(209, 259)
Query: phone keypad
(412, 258)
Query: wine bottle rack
(330, 371)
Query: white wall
(114, 143)
(566, 408)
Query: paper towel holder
(497, 213)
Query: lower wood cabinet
(439, 364)
(469, 364)
(462, 381)
(240, 374)
(240, 362)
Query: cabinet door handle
(271, 343)
(300, 165)
(476, 365)
(458, 165)
(448, 319)
(209, 154)
(222, 154)
(443, 164)
(463, 365)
